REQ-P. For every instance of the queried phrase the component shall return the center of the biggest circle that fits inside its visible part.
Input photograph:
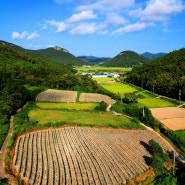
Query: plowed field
(171, 117)
(82, 155)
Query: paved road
(3, 150)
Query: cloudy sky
(95, 27)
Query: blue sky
(101, 28)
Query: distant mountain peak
(60, 49)
(153, 55)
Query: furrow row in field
(79, 155)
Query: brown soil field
(83, 155)
(171, 117)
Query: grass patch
(68, 106)
(83, 118)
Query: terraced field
(52, 95)
(57, 96)
(94, 97)
(82, 155)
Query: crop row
(71, 96)
(95, 97)
(57, 96)
(78, 155)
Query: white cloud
(84, 15)
(24, 35)
(133, 27)
(33, 36)
(158, 10)
(61, 26)
(114, 19)
(107, 5)
(84, 28)
(104, 16)
(74, 23)
(16, 35)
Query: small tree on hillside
(102, 106)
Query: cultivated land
(171, 117)
(81, 155)
(148, 99)
(67, 106)
(82, 118)
(102, 69)
(57, 96)
(51, 95)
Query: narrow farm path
(3, 150)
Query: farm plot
(67, 106)
(147, 100)
(52, 95)
(82, 155)
(95, 97)
(171, 117)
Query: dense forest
(18, 70)
(164, 75)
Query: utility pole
(180, 91)
(143, 111)
(153, 89)
(173, 162)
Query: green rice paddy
(148, 100)
(68, 106)
(103, 69)
(83, 118)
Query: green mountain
(55, 55)
(164, 75)
(126, 59)
(93, 59)
(59, 55)
(152, 55)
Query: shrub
(102, 106)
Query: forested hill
(126, 59)
(59, 56)
(164, 75)
(55, 55)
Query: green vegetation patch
(68, 106)
(103, 79)
(119, 88)
(148, 100)
(83, 118)
(152, 101)
(103, 69)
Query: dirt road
(3, 150)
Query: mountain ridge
(59, 55)
(126, 58)
(153, 55)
